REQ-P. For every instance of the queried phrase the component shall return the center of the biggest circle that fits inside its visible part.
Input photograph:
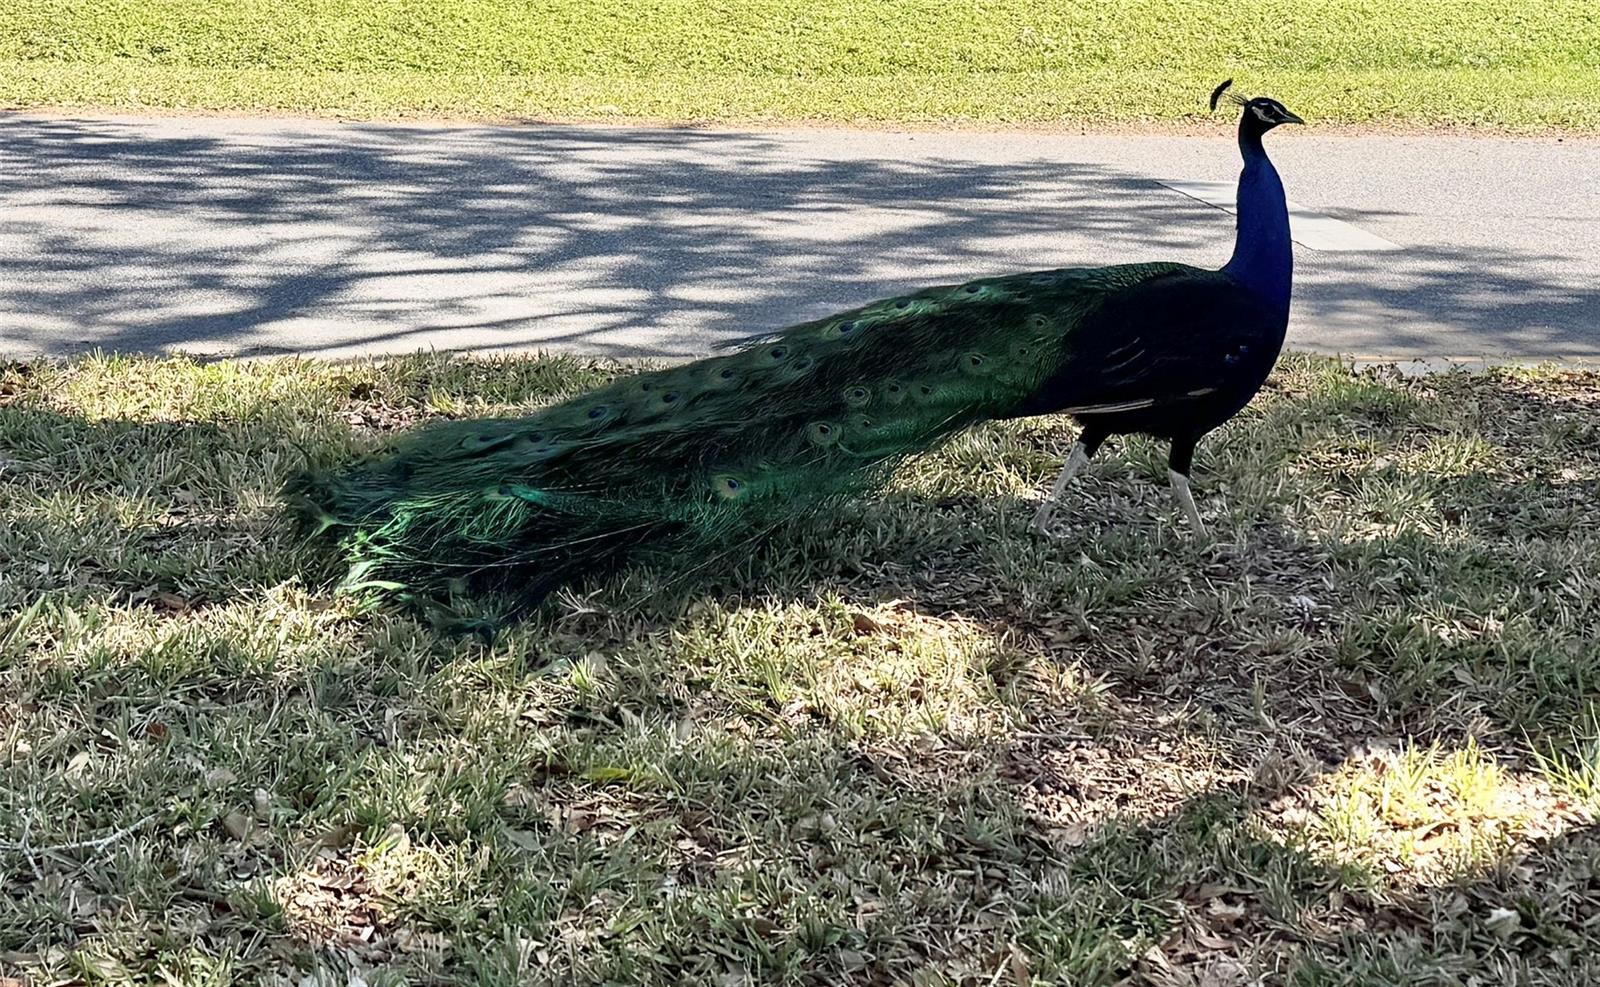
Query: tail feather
(677, 460)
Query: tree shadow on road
(623, 241)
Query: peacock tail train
(684, 459)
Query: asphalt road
(216, 235)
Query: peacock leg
(1077, 459)
(1179, 463)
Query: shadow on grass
(906, 741)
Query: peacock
(691, 462)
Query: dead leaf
(865, 625)
(170, 601)
(766, 928)
(1222, 914)
(338, 836)
(220, 778)
(1224, 973)
(1074, 834)
(1503, 922)
(852, 960)
(238, 825)
(1021, 971)
(1205, 939)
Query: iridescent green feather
(679, 460)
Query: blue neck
(1263, 254)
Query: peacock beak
(1291, 118)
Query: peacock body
(685, 459)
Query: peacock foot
(1041, 519)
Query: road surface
(248, 236)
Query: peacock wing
(1178, 334)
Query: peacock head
(1261, 114)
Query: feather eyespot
(536, 438)
(1038, 322)
(669, 397)
(821, 433)
(728, 487)
(480, 443)
(777, 352)
(903, 303)
(597, 412)
(727, 373)
(846, 327)
(857, 396)
(973, 289)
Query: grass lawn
(1350, 741)
(1414, 62)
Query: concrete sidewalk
(256, 236)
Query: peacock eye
(778, 352)
(727, 373)
(903, 303)
(845, 327)
(599, 412)
(820, 433)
